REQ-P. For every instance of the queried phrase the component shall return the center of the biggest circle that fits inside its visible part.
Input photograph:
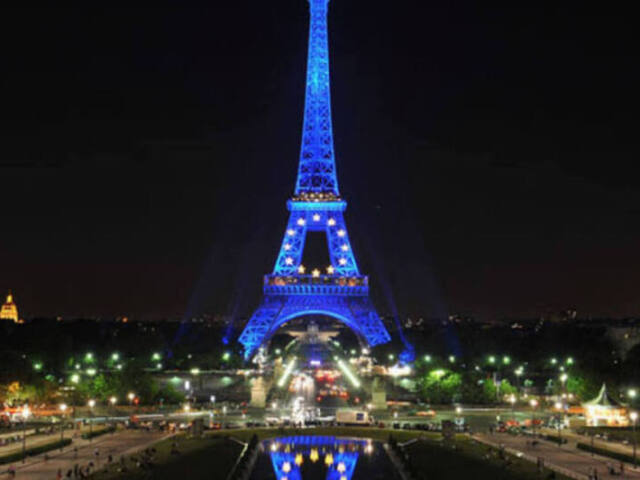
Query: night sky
(488, 156)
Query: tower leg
(260, 323)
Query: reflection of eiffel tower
(337, 456)
(339, 291)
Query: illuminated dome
(9, 310)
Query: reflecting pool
(311, 457)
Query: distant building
(9, 310)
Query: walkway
(120, 443)
(568, 459)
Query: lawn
(199, 458)
(458, 458)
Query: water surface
(311, 457)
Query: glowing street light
(115, 357)
(25, 414)
(534, 403)
(427, 358)
(63, 409)
(91, 403)
(506, 360)
(634, 417)
(492, 359)
(113, 400)
(131, 396)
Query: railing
(315, 285)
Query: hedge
(97, 433)
(605, 453)
(555, 439)
(14, 457)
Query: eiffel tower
(337, 290)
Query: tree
(441, 386)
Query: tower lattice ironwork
(339, 290)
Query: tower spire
(317, 167)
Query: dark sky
(488, 155)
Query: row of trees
(100, 387)
(445, 386)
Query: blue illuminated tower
(337, 290)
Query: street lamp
(512, 401)
(634, 418)
(131, 396)
(113, 400)
(91, 403)
(560, 406)
(63, 408)
(25, 414)
(534, 403)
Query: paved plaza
(566, 457)
(119, 443)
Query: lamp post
(512, 401)
(131, 396)
(634, 418)
(91, 403)
(25, 414)
(534, 404)
(113, 400)
(63, 408)
(559, 406)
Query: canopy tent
(604, 410)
